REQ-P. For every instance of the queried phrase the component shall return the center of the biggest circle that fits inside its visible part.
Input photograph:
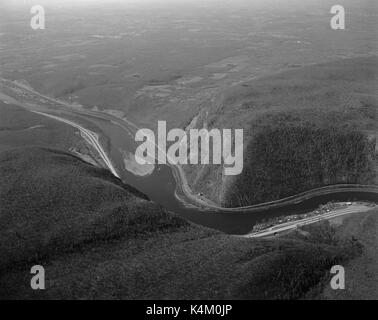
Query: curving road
(90, 137)
(183, 191)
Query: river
(160, 186)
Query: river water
(160, 186)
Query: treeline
(286, 160)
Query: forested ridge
(286, 160)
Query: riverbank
(107, 242)
(325, 212)
(183, 191)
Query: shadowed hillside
(99, 239)
(285, 160)
(51, 201)
(338, 104)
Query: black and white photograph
(188, 153)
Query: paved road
(184, 192)
(90, 136)
(356, 208)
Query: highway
(181, 199)
(279, 228)
(90, 137)
(183, 193)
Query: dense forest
(285, 160)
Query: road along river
(160, 185)
(116, 137)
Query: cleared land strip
(91, 138)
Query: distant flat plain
(169, 61)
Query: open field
(180, 62)
(20, 128)
(168, 61)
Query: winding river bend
(117, 138)
(160, 186)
